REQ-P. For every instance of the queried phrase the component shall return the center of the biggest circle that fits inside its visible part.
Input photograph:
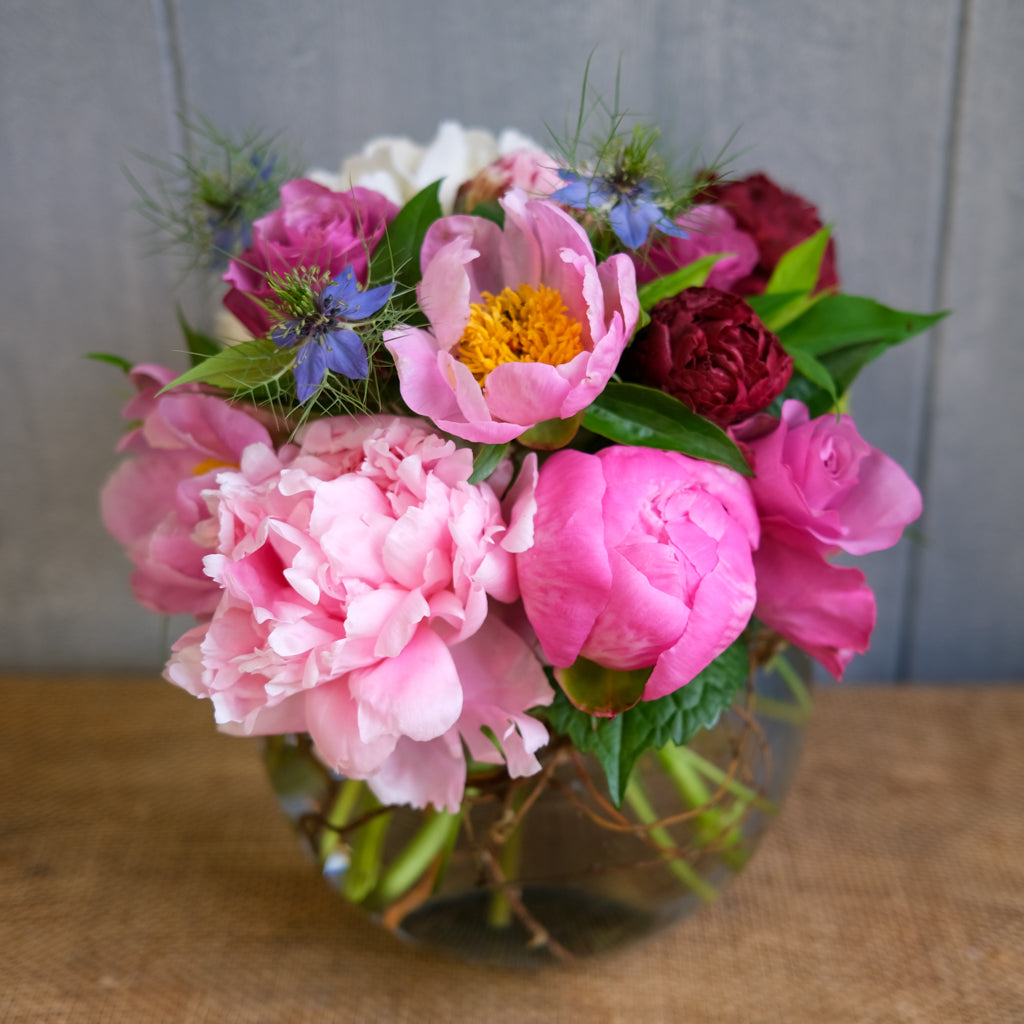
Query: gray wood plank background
(901, 121)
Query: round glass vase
(547, 868)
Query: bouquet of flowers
(501, 454)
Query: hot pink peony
(525, 326)
(709, 229)
(820, 488)
(357, 571)
(153, 502)
(640, 557)
(313, 227)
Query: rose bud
(709, 349)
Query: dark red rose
(709, 349)
(777, 220)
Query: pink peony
(821, 488)
(709, 229)
(529, 169)
(357, 570)
(525, 326)
(641, 557)
(153, 502)
(313, 227)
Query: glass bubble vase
(547, 868)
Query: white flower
(399, 168)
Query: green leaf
(397, 255)
(799, 267)
(843, 365)
(693, 275)
(200, 346)
(816, 372)
(106, 357)
(779, 310)
(841, 320)
(637, 415)
(246, 365)
(676, 718)
(486, 461)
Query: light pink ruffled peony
(357, 571)
(821, 488)
(641, 557)
(153, 501)
(499, 357)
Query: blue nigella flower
(632, 211)
(324, 339)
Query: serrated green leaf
(799, 267)
(676, 718)
(246, 365)
(693, 275)
(636, 415)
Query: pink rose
(529, 169)
(822, 477)
(709, 229)
(640, 557)
(819, 488)
(357, 571)
(153, 502)
(525, 326)
(313, 227)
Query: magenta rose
(313, 227)
(777, 220)
(640, 558)
(709, 229)
(709, 349)
(153, 502)
(820, 488)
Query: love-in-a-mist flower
(322, 328)
(524, 324)
(630, 205)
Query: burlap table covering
(146, 876)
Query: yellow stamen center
(207, 464)
(529, 325)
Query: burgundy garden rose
(709, 349)
(313, 227)
(777, 220)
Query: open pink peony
(357, 571)
(524, 324)
(640, 557)
(153, 501)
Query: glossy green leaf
(676, 718)
(636, 415)
(112, 360)
(397, 255)
(799, 267)
(486, 461)
(200, 346)
(693, 275)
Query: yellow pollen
(529, 325)
(207, 464)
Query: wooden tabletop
(147, 876)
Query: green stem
(338, 814)
(780, 664)
(416, 856)
(718, 777)
(682, 869)
(364, 857)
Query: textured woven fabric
(147, 876)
